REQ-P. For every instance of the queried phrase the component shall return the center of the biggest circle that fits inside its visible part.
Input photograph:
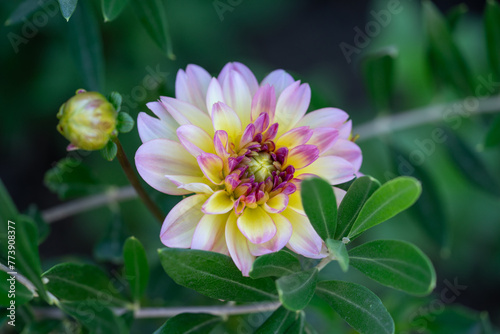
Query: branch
(377, 127)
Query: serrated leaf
(493, 135)
(112, 8)
(386, 202)
(22, 11)
(81, 282)
(428, 209)
(110, 247)
(70, 178)
(358, 306)
(397, 264)
(86, 45)
(296, 290)
(275, 264)
(109, 151)
(469, 163)
(492, 30)
(152, 15)
(278, 322)
(378, 70)
(338, 250)
(356, 196)
(444, 52)
(214, 275)
(67, 7)
(95, 316)
(455, 14)
(124, 122)
(19, 293)
(320, 206)
(136, 267)
(192, 323)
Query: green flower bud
(87, 120)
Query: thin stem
(377, 127)
(134, 181)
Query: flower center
(260, 165)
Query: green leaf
(277, 264)
(298, 327)
(397, 264)
(109, 151)
(19, 293)
(115, 99)
(278, 322)
(192, 323)
(110, 247)
(214, 275)
(67, 8)
(338, 250)
(493, 135)
(46, 326)
(455, 14)
(428, 209)
(86, 45)
(444, 52)
(469, 163)
(492, 30)
(136, 267)
(41, 225)
(112, 8)
(386, 202)
(8, 211)
(320, 206)
(95, 316)
(22, 11)
(27, 260)
(358, 306)
(296, 290)
(79, 282)
(378, 68)
(125, 123)
(152, 15)
(70, 178)
(356, 196)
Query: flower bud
(87, 120)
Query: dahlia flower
(242, 150)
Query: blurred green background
(42, 71)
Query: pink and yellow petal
(256, 225)
(333, 169)
(150, 128)
(304, 239)
(276, 204)
(294, 137)
(237, 246)
(214, 95)
(292, 106)
(186, 113)
(195, 139)
(224, 118)
(283, 233)
(264, 101)
(220, 202)
(347, 150)
(209, 230)
(323, 139)
(244, 71)
(191, 86)
(237, 95)
(324, 118)
(279, 79)
(302, 156)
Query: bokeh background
(458, 225)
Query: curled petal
(345, 130)
(237, 95)
(179, 225)
(186, 113)
(302, 156)
(211, 166)
(295, 137)
(152, 128)
(237, 246)
(339, 195)
(264, 101)
(304, 239)
(324, 118)
(221, 140)
(209, 230)
(276, 204)
(292, 106)
(219, 202)
(214, 95)
(195, 139)
(247, 135)
(279, 79)
(244, 71)
(224, 118)
(261, 123)
(333, 169)
(191, 86)
(283, 234)
(159, 157)
(323, 138)
(256, 225)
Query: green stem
(134, 181)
